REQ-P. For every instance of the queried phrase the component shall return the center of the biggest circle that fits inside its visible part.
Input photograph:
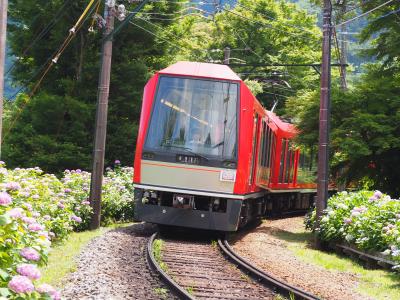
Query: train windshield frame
(195, 116)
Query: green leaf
(4, 220)
(4, 274)
(4, 292)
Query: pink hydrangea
(16, 213)
(378, 194)
(67, 190)
(76, 219)
(85, 202)
(13, 186)
(28, 206)
(28, 270)
(5, 199)
(60, 205)
(35, 227)
(48, 289)
(117, 162)
(28, 220)
(21, 284)
(347, 221)
(30, 254)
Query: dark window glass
(196, 115)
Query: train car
(208, 154)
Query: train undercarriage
(216, 213)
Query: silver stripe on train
(200, 193)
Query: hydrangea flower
(28, 220)
(28, 270)
(76, 219)
(117, 162)
(13, 186)
(35, 227)
(60, 205)
(347, 221)
(48, 289)
(67, 190)
(21, 284)
(30, 254)
(5, 199)
(16, 212)
(378, 194)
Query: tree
(54, 129)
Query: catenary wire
(364, 14)
(42, 33)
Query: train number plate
(187, 159)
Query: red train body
(208, 154)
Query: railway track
(199, 270)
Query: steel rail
(180, 292)
(267, 279)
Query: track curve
(282, 287)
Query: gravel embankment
(113, 266)
(268, 247)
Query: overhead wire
(274, 19)
(365, 13)
(168, 41)
(53, 59)
(42, 33)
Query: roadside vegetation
(368, 220)
(38, 210)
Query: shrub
(369, 220)
(37, 208)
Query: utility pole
(101, 116)
(343, 49)
(227, 55)
(3, 35)
(324, 115)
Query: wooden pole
(101, 119)
(324, 114)
(3, 37)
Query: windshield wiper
(187, 149)
(219, 144)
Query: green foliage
(55, 128)
(36, 208)
(365, 137)
(369, 220)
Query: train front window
(194, 115)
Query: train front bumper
(201, 219)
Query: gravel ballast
(268, 249)
(114, 266)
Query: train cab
(200, 157)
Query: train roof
(286, 127)
(198, 69)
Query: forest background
(54, 128)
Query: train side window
(283, 160)
(254, 144)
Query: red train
(208, 154)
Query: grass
(62, 256)
(378, 284)
(157, 249)
(162, 292)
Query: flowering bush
(370, 220)
(36, 208)
(117, 195)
